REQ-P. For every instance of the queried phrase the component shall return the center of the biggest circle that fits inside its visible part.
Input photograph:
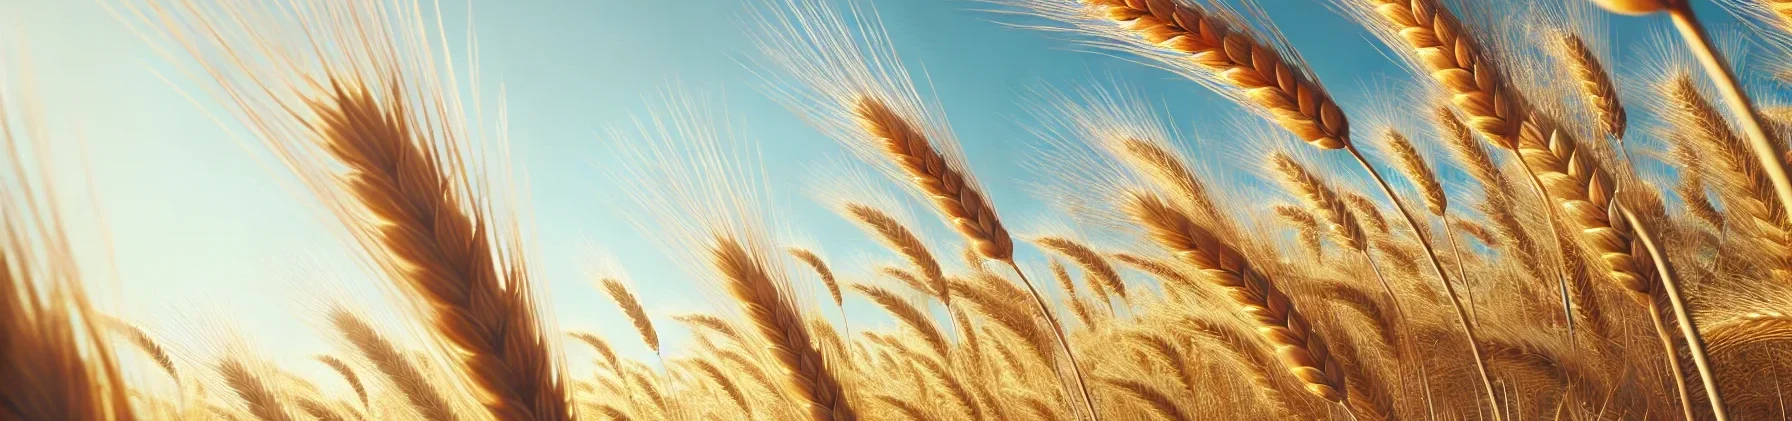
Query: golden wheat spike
(961, 203)
(348, 375)
(1413, 164)
(631, 307)
(1266, 77)
(417, 388)
(808, 375)
(1595, 84)
(1277, 321)
(821, 270)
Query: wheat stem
(1694, 343)
(1076, 370)
(1468, 330)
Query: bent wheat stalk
(1688, 330)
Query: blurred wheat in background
(1494, 246)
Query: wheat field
(1504, 246)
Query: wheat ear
(1751, 328)
(1305, 226)
(769, 306)
(1745, 191)
(259, 398)
(602, 347)
(392, 362)
(348, 375)
(145, 343)
(1089, 261)
(1169, 171)
(631, 307)
(1156, 400)
(898, 237)
(1299, 347)
(960, 202)
(1071, 298)
(821, 270)
(1595, 81)
(474, 294)
(909, 315)
(1769, 153)
(1237, 58)
(709, 369)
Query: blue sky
(202, 225)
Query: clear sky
(204, 228)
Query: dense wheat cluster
(1502, 245)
